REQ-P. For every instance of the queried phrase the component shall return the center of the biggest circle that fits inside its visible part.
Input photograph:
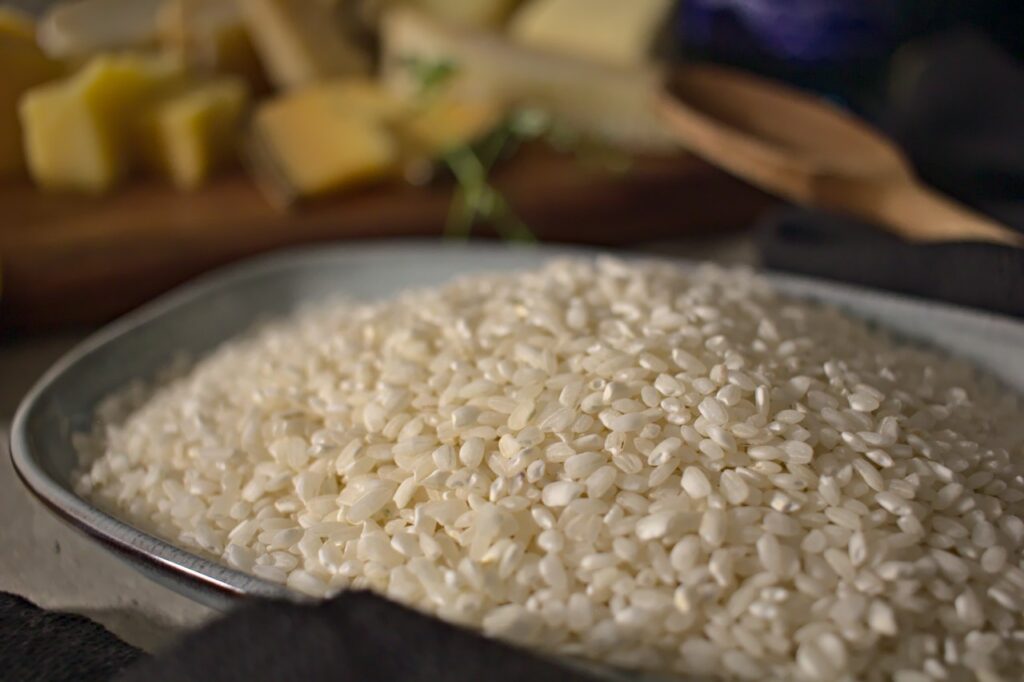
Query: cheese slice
(610, 31)
(613, 103)
(81, 28)
(323, 139)
(78, 132)
(301, 42)
(23, 66)
(189, 134)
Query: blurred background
(143, 142)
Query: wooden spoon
(813, 153)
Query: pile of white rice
(625, 462)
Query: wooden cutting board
(70, 260)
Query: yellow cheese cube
(16, 24)
(353, 96)
(611, 31)
(323, 139)
(447, 122)
(78, 132)
(188, 135)
(22, 66)
(301, 42)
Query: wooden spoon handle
(918, 213)
(809, 152)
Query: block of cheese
(474, 13)
(302, 42)
(610, 31)
(16, 24)
(211, 36)
(22, 66)
(609, 102)
(322, 139)
(81, 28)
(446, 122)
(78, 132)
(189, 134)
(354, 96)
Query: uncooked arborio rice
(626, 462)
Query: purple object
(802, 31)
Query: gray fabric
(50, 646)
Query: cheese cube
(447, 122)
(78, 132)
(356, 96)
(16, 24)
(323, 139)
(188, 135)
(301, 42)
(22, 66)
(610, 31)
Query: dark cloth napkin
(355, 637)
(56, 647)
(960, 121)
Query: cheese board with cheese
(144, 142)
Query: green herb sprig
(476, 200)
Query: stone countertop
(49, 563)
